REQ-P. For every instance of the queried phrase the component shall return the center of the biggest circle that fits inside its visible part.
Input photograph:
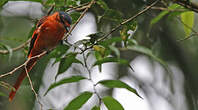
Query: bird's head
(65, 20)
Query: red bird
(48, 33)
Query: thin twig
(16, 48)
(77, 8)
(22, 65)
(6, 85)
(167, 9)
(32, 87)
(90, 79)
(187, 4)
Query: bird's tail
(20, 78)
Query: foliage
(105, 49)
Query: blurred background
(160, 89)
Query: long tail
(20, 78)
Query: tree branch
(188, 4)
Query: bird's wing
(34, 36)
(36, 33)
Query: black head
(65, 19)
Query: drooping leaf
(115, 50)
(66, 62)
(118, 84)
(65, 81)
(79, 101)
(111, 103)
(95, 108)
(147, 52)
(188, 22)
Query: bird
(48, 34)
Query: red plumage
(48, 33)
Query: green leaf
(118, 84)
(66, 62)
(111, 103)
(65, 81)
(95, 108)
(163, 13)
(112, 59)
(108, 42)
(115, 50)
(188, 22)
(79, 101)
(102, 4)
(159, 17)
(147, 52)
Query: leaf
(66, 62)
(65, 81)
(112, 59)
(118, 84)
(163, 13)
(115, 50)
(79, 101)
(147, 52)
(108, 42)
(188, 22)
(95, 108)
(111, 103)
(102, 4)
(159, 17)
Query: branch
(187, 4)
(128, 20)
(167, 9)
(32, 87)
(23, 65)
(16, 48)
